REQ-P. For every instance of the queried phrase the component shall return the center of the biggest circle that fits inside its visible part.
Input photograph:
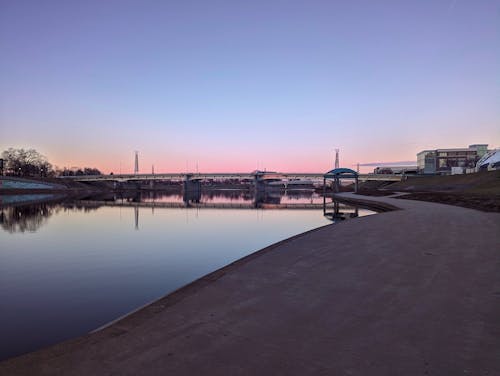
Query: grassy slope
(477, 191)
(487, 182)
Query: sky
(235, 86)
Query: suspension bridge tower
(136, 164)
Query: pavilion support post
(324, 196)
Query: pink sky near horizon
(238, 86)
(242, 160)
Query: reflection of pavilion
(337, 212)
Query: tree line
(30, 163)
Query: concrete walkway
(408, 292)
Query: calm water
(68, 267)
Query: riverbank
(412, 291)
(10, 185)
(479, 191)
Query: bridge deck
(222, 176)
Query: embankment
(477, 191)
(407, 292)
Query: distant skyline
(244, 85)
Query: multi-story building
(446, 161)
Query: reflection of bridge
(200, 205)
(335, 211)
(255, 176)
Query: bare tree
(21, 162)
(77, 171)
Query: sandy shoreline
(405, 292)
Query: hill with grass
(480, 190)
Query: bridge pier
(191, 196)
(258, 198)
(258, 183)
(191, 185)
(191, 190)
(118, 185)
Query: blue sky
(238, 85)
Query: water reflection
(195, 197)
(336, 211)
(136, 217)
(89, 265)
(25, 218)
(29, 217)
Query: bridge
(252, 176)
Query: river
(69, 266)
